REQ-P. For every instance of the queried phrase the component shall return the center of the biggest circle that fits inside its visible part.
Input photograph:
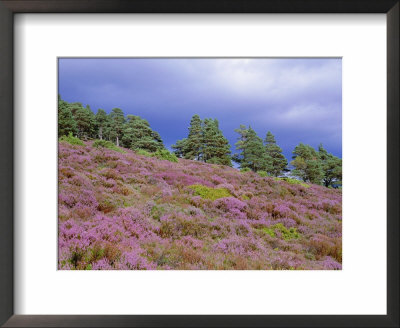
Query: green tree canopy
(279, 162)
(132, 132)
(84, 119)
(307, 163)
(195, 138)
(180, 148)
(205, 142)
(137, 134)
(117, 121)
(101, 121)
(216, 147)
(252, 153)
(331, 166)
(66, 122)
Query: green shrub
(214, 160)
(309, 256)
(269, 231)
(72, 140)
(143, 152)
(287, 234)
(76, 256)
(165, 155)
(293, 181)
(210, 193)
(262, 174)
(245, 169)
(106, 144)
(157, 212)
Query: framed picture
(192, 172)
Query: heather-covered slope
(128, 211)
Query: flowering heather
(125, 211)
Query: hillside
(122, 210)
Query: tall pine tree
(252, 151)
(84, 121)
(240, 144)
(331, 166)
(101, 122)
(92, 133)
(215, 146)
(279, 162)
(137, 134)
(205, 142)
(66, 122)
(307, 163)
(117, 121)
(194, 142)
(180, 148)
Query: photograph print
(199, 164)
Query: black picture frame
(10, 7)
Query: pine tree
(256, 157)
(181, 148)
(74, 107)
(92, 131)
(279, 162)
(208, 140)
(194, 142)
(205, 142)
(107, 134)
(137, 134)
(331, 166)
(215, 146)
(222, 151)
(307, 163)
(240, 145)
(253, 154)
(156, 136)
(66, 122)
(117, 121)
(133, 133)
(84, 120)
(101, 122)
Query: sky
(298, 100)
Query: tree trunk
(117, 142)
(101, 133)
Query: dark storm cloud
(299, 100)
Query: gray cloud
(299, 100)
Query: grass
(162, 154)
(71, 140)
(107, 144)
(293, 181)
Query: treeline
(256, 155)
(205, 142)
(319, 167)
(310, 165)
(131, 131)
